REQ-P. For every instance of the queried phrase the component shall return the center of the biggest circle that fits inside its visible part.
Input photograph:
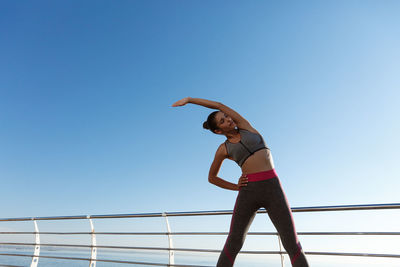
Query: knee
(234, 243)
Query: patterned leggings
(262, 191)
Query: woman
(258, 186)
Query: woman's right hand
(181, 102)
(243, 180)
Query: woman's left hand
(243, 180)
(181, 102)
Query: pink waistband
(260, 176)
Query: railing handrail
(103, 260)
(171, 249)
(197, 233)
(202, 213)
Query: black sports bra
(249, 144)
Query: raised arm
(236, 117)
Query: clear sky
(86, 89)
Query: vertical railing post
(281, 252)
(36, 253)
(93, 254)
(171, 246)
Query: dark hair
(210, 123)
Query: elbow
(211, 179)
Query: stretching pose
(258, 185)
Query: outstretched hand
(181, 102)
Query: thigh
(281, 216)
(243, 214)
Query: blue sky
(86, 90)
(86, 95)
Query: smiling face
(224, 123)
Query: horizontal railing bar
(220, 212)
(218, 251)
(102, 260)
(209, 250)
(105, 233)
(8, 265)
(144, 248)
(112, 247)
(201, 233)
(349, 233)
(353, 254)
(140, 248)
(348, 207)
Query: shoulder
(221, 151)
(249, 129)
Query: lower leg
(281, 216)
(299, 258)
(242, 217)
(229, 252)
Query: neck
(232, 133)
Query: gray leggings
(267, 194)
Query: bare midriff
(258, 162)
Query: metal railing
(171, 249)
